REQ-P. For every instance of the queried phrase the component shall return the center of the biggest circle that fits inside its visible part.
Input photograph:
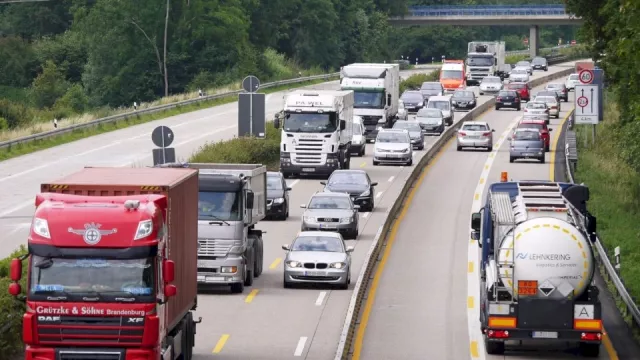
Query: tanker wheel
(589, 350)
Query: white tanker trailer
(537, 266)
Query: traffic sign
(587, 104)
(162, 136)
(250, 84)
(586, 76)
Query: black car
(277, 196)
(508, 99)
(463, 100)
(356, 183)
(539, 63)
(431, 88)
(413, 100)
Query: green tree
(48, 86)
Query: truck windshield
(451, 74)
(368, 100)
(310, 122)
(108, 277)
(480, 61)
(222, 206)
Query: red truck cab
(541, 126)
(107, 259)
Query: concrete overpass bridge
(486, 15)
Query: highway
(267, 321)
(424, 304)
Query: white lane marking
(473, 280)
(365, 215)
(379, 194)
(294, 182)
(17, 228)
(391, 179)
(17, 208)
(300, 347)
(321, 298)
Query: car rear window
(516, 86)
(526, 135)
(530, 126)
(475, 127)
(507, 93)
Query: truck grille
(214, 247)
(315, 266)
(112, 331)
(370, 120)
(89, 355)
(308, 152)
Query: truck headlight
(294, 264)
(145, 228)
(278, 201)
(345, 220)
(228, 269)
(41, 227)
(338, 265)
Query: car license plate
(473, 137)
(527, 154)
(309, 169)
(545, 335)
(315, 273)
(462, 104)
(507, 103)
(206, 264)
(211, 279)
(328, 226)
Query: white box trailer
(377, 93)
(317, 127)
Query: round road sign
(251, 84)
(586, 76)
(162, 136)
(582, 101)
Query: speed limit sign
(586, 76)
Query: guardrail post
(616, 253)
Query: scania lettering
(112, 271)
(317, 127)
(377, 93)
(484, 58)
(537, 268)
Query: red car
(541, 126)
(522, 89)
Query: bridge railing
(488, 10)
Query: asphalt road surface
(267, 321)
(425, 305)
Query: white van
(444, 104)
(358, 139)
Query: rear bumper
(357, 148)
(513, 105)
(526, 154)
(462, 142)
(528, 335)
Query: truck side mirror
(170, 290)
(343, 124)
(16, 269)
(476, 218)
(388, 99)
(168, 271)
(249, 199)
(276, 123)
(15, 289)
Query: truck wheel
(364, 150)
(493, 347)
(186, 340)
(237, 288)
(248, 277)
(589, 350)
(258, 263)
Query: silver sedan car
(415, 132)
(331, 211)
(475, 134)
(317, 257)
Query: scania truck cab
(317, 127)
(484, 58)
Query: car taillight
(517, 100)
(486, 134)
(498, 98)
(461, 133)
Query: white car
(358, 138)
(525, 64)
(552, 103)
(444, 104)
(393, 146)
(571, 82)
(491, 85)
(402, 112)
(519, 75)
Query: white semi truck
(377, 92)
(317, 127)
(484, 58)
(537, 266)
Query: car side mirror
(550, 129)
(276, 123)
(357, 207)
(350, 249)
(323, 183)
(374, 184)
(303, 206)
(476, 219)
(493, 130)
(287, 189)
(285, 247)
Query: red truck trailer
(112, 266)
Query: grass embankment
(615, 193)
(250, 150)
(32, 146)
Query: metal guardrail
(610, 273)
(489, 10)
(154, 109)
